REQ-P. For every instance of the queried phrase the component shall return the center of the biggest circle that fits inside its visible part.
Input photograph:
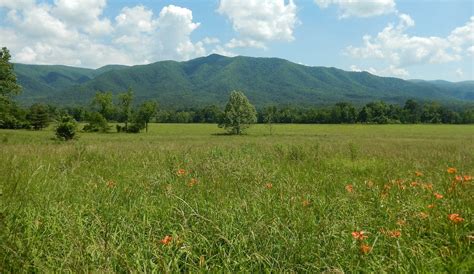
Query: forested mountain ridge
(209, 80)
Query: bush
(66, 129)
(97, 122)
(135, 128)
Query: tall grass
(284, 202)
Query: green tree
(146, 111)
(97, 123)
(66, 128)
(103, 102)
(11, 116)
(239, 114)
(8, 84)
(269, 116)
(38, 116)
(125, 105)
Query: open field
(288, 202)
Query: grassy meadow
(308, 198)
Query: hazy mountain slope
(208, 80)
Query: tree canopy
(239, 113)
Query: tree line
(130, 117)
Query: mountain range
(209, 80)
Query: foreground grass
(287, 202)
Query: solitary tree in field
(239, 114)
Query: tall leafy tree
(269, 117)
(38, 116)
(103, 101)
(8, 83)
(146, 111)
(125, 105)
(239, 114)
(11, 116)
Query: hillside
(208, 80)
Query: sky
(409, 39)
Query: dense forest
(103, 110)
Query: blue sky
(406, 39)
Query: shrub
(66, 129)
(97, 122)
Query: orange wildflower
(458, 178)
(431, 206)
(359, 235)
(394, 233)
(269, 185)
(438, 196)
(166, 240)
(110, 184)
(349, 188)
(418, 174)
(455, 218)
(365, 249)
(467, 178)
(413, 184)
(193, 182)
(181, 172)
(452, 170)
(306, 203)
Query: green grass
(105, 201)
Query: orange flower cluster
(394, 233)
(438, 196)
(269, 185)
(455, 218)
(418, 173)
(359, 235)
(349, 188)
(181, 172)
(365, 249)
(452, 170)
(166, 240)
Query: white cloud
(260, 21)
(175, 25)
(400, 50)
(223, 51)
(210, 40)
(16, 4)
(470, 51)
(75, 32)
(83, 14)
(359, 8)
(136, 19)
(459, 73)
(245, 43)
